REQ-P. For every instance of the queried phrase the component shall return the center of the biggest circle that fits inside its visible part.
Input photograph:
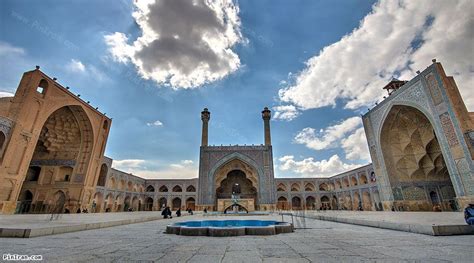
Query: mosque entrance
(60, 158)
(236, 187)
(414, 161)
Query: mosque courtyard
(319, 241)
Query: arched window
(163, 189)
(295, 188)
(323, 187)
(354, 181)
(363, 179)
(150, 188)
(42, 86)
(177, 188)
(281, 188)
(309, 187)
(191, 189)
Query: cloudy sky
(154, 65)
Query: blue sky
(319, 63)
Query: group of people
(167, 214)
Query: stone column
(266, 115)
(205, 116)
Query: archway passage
(239, 178)
(325, 203)
(357, 203)
(135, 204)
(59, 200)
(25, 202)
(149, 204)
(60, 159)
(296, 203)
(334, 203)
(236, 183)
(162, 202)
(191, 203)
(176, 203)
(97, 202)
(282, 203)
(109, 203)
(366, 201)
(127, 203)
(310, 203)
(414, 161)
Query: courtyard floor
(321, 241)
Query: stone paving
(44, 220)
(323, 241)
(429, 223)
(430, 218)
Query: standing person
(164, 213)
(178, 212)
(469, 214)
(205, 210)
(169, 212)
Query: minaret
(205, 116)
(266, 115)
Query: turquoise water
(228, 223)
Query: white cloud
(328, 137)
(4, 94)
(128, 164)
(14, 60)
(355, 146)
(396, 39)
(310, 168)
(285, 112)
(8, 49)
(155, 123)
(76, 66)
(152, 169)
(184, 44)
(187, 162)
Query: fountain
(235, 207)
(223, 228)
